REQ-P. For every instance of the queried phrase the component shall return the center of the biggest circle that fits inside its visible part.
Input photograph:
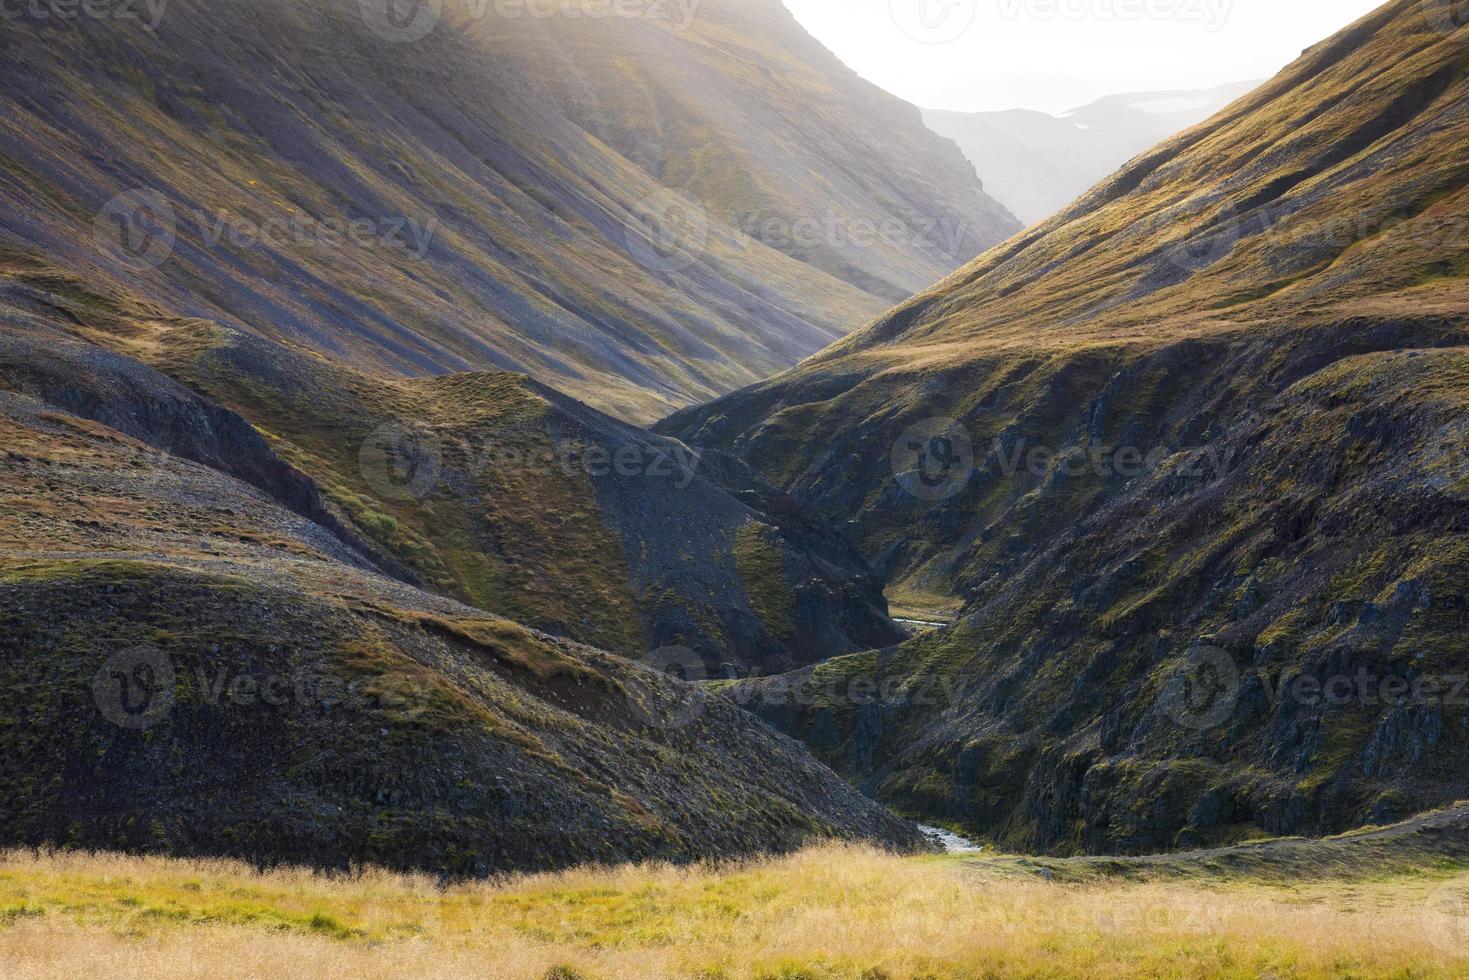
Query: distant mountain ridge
(1037, 163)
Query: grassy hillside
(414, 208)
(835, 912)
(485, 487)
(1200, 438)
(200, 654)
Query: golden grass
(828, 912)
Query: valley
(583, 497)
(1204, 428)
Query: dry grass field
(828, 912)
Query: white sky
(1056, 55)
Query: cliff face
(1201, 434)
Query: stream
(926, 624)
(951, 842)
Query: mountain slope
(193, 665)
(1036, 163)
(494, 490)
(1204, 433)
(414, 208)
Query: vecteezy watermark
(148, 13)
(134, 689)
(933, 459)
(137, 689)
(1213, 14)
(1214, 227)
(137, 229)
(836, 690)
(401, 464)
(1204, 691)
(1447, 17)
(403, 694)
(1104, 461)
(402, 21)
(672, 462)
(668, 231)
(1209, 245)
(933, 21)
(399, 233)
(1140, 917)
(405, 463)
(406, 21)
(656, 706)
(1368, 689)
(659, 706)
(945, 235)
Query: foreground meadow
(840, 912)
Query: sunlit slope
(1338, 181)
(493, 230)
(1219, 404)
(1329, 203)
(735, 104)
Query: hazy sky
(1059, 54)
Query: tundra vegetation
(836, 912)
